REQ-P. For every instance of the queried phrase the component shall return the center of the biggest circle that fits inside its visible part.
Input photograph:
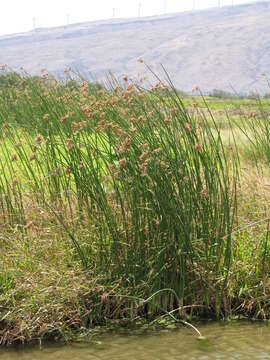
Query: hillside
(217, 48)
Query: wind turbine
(193, 6)
(113, 13)
(164, 7)
(140, 9)
(68, 16)
(34, 23)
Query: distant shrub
(253, 95)
(222, 94)
(267, 96)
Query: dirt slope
(216, 48)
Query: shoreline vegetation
(123, 205)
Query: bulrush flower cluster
(130, 87)
(84, 88)
(64, 118)
(204, 192)
(14, 157)
(68, 170)
(87, 109)
(158, 86)
(39, 139)
(81, 165)
(101, 92)
(140, 119)
(126, 146)
(79, 126)
(45, 117)
(145, 160)
(3, 67)
(122, 163)
(188, 127)
(157, 151)
(69, 144)
(32, 157)
(45, 74)
(197, 147)
(19, 144)
(114, 172)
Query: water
(223, 341)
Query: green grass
(110, 196)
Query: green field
(124, 205)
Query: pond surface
(223, 341)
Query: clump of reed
(145, 191)
(153, 186)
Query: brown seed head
(64, 119)
(157, 151)
(144, 155)
(130, 87)
(75, 126)
(39, 139)
(82, 125)
(174, 111)
(14, 157)
(122, 163)
(116, 175)
(29, 225)
(162, 163)
(69, 144)
(127, 143)
(167, 121)
(101, 92)
(115, 100)
(108, 126)
(188, 126)
(186, 179)
(19, 144)
(204, 192)
(140, 119)
(45, 117)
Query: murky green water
(224, 341)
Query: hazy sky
(18, 15)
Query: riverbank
(119, 206)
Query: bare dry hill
(216, 48)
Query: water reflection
(224, 341)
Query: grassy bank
(123, 204)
